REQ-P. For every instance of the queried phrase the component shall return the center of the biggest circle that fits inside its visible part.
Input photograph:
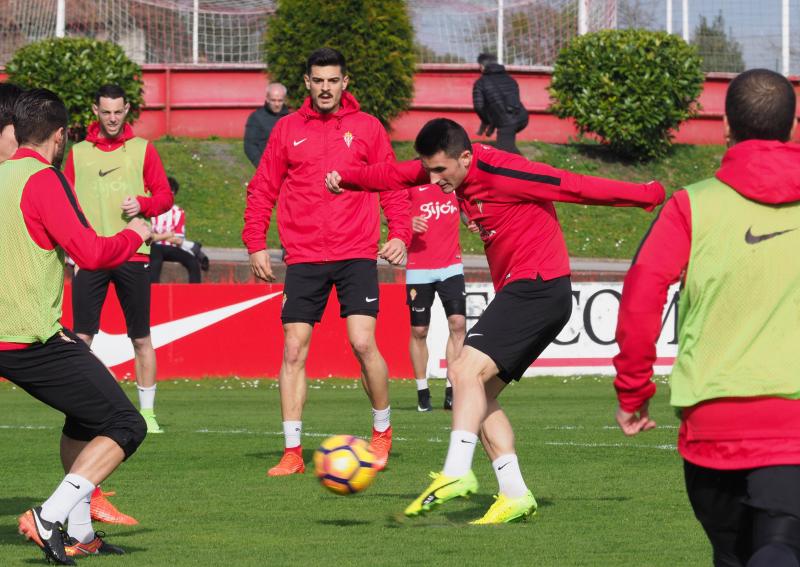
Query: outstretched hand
(332, 181)
(633, 423)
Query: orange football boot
(380, 445)
(291, 463)
(97, 546)
(102, 510)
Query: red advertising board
(219, 330)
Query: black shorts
(419, 298)
(64, 374)
(522, 319)
(308, 286)
(742, 510)
(132, 282)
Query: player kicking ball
(510, 200)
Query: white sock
(509, 477)
(79, 521)
(381, 419)
(449, 385)
(292, 430)
(72, 490)
(460, 453)
(147, 397)
(422, 384)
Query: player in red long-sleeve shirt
(510, 200)
(40, 220)
(732, 241)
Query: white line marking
(610, 445)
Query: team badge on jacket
(348, 138)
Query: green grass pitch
(202, 496)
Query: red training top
(314, 224)
(727, 433)
(437, 247)
(511, 201)
(155, 178)
(53, 218)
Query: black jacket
(257, 131)
(495, 96)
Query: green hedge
(631, 88)
(75, 68)
(375, 37)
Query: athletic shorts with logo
(419, 298)
(743, 510)
(89, 290)
(523, 318)
(307, 287)
(64, 374)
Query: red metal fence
(207, 101)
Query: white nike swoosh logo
(370, 300)
(43, 533)
(116, 349)
(298, 142)
(423, 188)
(475, 335)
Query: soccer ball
(344, 464)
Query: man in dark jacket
(495, 97)
(262, 121)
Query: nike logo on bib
(102, 173)
(751, 238)
(298, 142)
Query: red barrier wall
(250, 343)
(215, 101)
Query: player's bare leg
(418, 351)
(145, 367)
(469, 374)
(102, 510)
(457, 327)
(293, 389)
(86, 338)
(375, 379)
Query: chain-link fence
(731, 34)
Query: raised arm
(513, 178)
(396, 176)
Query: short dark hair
(760, 105)
(442, 135)
(110, 91)
(324, 57)
(173, 184)
(38, 114)
(486, 58)
(9, 93)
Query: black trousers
(160, 253)
(742, 511)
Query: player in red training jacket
(510, 199)
(329, 242)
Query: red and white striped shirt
(174, 221)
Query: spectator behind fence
(495, 97)
(170, 244)
(262, 121)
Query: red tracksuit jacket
(315, 225)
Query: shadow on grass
(343, 523)
(18, 504)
